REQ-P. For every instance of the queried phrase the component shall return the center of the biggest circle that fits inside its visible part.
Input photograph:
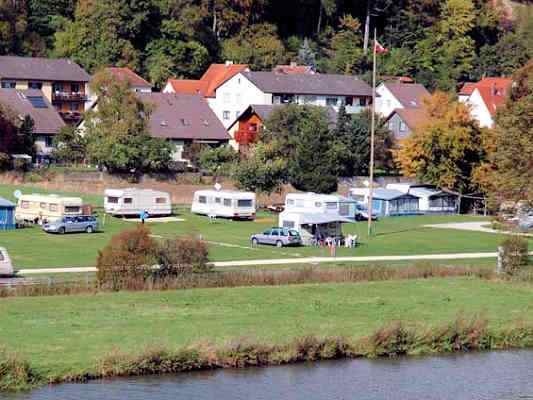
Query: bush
(129, 256)
(183, 255)
(218, 161)
(131, 259)
(15, 373)
(22, 164)
(5, 162)
(514, 255)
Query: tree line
(440, 43)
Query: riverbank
(108, 334)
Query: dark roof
(263, 111)
(183, 116)
(41, 69)
(45, 117)
(409, 95)
(312, 84)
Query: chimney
(228, 63)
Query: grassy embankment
(68, 335)
(32, 248)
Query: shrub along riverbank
(393, 340)
(95, 335)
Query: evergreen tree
(26, 139)
(306, 55)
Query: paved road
(475, 227)
(301, 260)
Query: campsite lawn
(70, 333)
(229, 240)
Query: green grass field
(69, 333)
(32, 248)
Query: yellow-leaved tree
(446, 149)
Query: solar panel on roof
(37, 101)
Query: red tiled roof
(128, 75)
(293, 69)
(493, 91)
(188, 86)
(215, 76)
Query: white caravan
(6, 268)
(224, 203)
(41, 208)
(431, 200)
(133, 201)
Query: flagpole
(372, 128)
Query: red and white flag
(379, 49)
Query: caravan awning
(314, 219)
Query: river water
(501, 375)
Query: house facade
(402, 121)
(397, 95)
(485, 97)
(183, 119)
(63, 82)
(47, 121)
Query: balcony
(70, 116)
(68, 96)
(245, 136)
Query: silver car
(79, 223)
(278, 237)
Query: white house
(485, 97)
(396, 95)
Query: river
(501, 375)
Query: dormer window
(184, 122)
(163, 123)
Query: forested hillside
(440, 42)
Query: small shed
(7, 214)
(388, 202)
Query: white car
(6, 267)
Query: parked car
(277, 236)
(361, 213)
(6, 267)
(81, 223)
(526, 223)
(276, 207)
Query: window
(75, 87)
(318, 204)
(403, 127)
(25, 204)
(227, 202)
(309, 99)
(288, 224)
(226, 98)
(184, 122)
(202, 200)
(286, 98)
(53, 207)
(290, 202)
(348, 101)
(331, 206)
(57, 87)
(74, 107)
(2, 256)
(112, 200)
(72, 209)
(37, 101)
(226, 115)
(161, 200)
(218, 200)
(344, 209)
(332, 101)
(9, 84)
(35, 85)
(362, 102)
(43, 206)
(128, 200)
(237, 113)
(244, 203)
(48, 141)
(275, 232)
(267, 232)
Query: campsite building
(7, 214)
(388, 202)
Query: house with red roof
(485, 97)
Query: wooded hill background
(439, 42)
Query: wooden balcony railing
(68, 96)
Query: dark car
(78, 223)
(278, 237)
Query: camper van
(224, 203)
(6, 268)
(40, 208)
(132, 201)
